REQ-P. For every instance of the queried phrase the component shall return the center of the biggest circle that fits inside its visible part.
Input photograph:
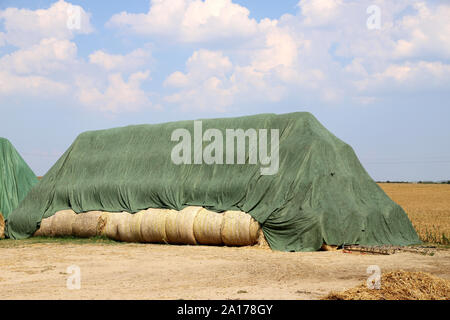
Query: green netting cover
(321, 193)
(16, 178)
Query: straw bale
(180, 226)
(208, 227)
(62, 223)
(153, 225)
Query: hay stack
(180, 226)
(2, 227)
(89, 224)
(239, 229)
(153, 225)
(208, 227)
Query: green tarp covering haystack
(16, 178)
(301, 183)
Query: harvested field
(428, 207)
(37, 269)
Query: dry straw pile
(192, 225)
(399, 285)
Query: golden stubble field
(428, 207)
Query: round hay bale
(153, 225)
(180, 226)
(208, 227)
(86, 224)
(2, 227)
(238, 229)
(135, 225)
(112, 223)
(62, 223)
(129, 227)
(45, 229)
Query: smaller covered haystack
(16, 178)
(399, 285)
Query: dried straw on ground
(326, 247)
(2, 227)
(208, 227)
(239, 229)
(262, 242)
(153, 225)
(180, 226)
(399, 285)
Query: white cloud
(325, 52)
(27, 27)
(210, 94)
(46, 65)
(177, 79)
(280, 49)
(319, 12)
(201, 66)
(131, 61)
(204, 85)
(118, 96)
(43, 58)
(190, 20)
(419, 76)
(29, 85)
(426, 33)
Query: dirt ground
(149, 271)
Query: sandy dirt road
(148, 271)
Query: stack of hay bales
(68, 223)
(192, 225)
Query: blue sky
(383, 88)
